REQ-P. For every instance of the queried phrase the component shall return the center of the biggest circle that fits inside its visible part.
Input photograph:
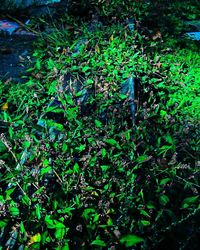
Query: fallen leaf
(111, 38)
(157, 35)
(97, 49)
(5, 106)
(35, 238)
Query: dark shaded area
(14, 56)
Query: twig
(187, 181)
(23, 25)
(57, 176)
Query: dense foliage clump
(77, 171)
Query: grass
(76, 171)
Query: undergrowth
(77, 172)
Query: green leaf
(26, 200)
(87, 213)
(145, 223)
(80, 93)
(22, 228)
(66, 247)
(38, 64)
(26, 144)
(45, 162)
(169, 139)
(86, 68)
(11, 132)
(103, 152)
(36, 246)
(81, 147)
(3, 223)
(54, 109)
(53, 223)
(69, 99)
(164, 181)
(76, 168)
(142, 158)
(45, 170)
(59, 224)
(38, 214)
(98, 124)
(35, 238)
(122, 96)
(164, 199)
(89, 81)
(39, 191)
(2, 147)
(49, 222)
(113, 142)
(144, 213)
(190, 200)
(71, 113)
(60, 233)
(163, 113)
(131, 240)
(64, 148)
(100, 243)
(66, 210)
(50, 64)
(9, 192)
(109, 222)
(104, 168)
(14, 211)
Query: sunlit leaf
(98, 123)
(35, 238)
(89, 81)
(97, 242)
(142, 158)
(76, 168)
(104, 168)
(45, 170)
(59, 234)
(3, 223)
(38, 213)
(5, 106)
(145, 223)
(113, 142)
(165, 181)
(131, 240)
(189, 201)
(14, 211)
(111, 38)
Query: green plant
(76, 172)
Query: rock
(128, 89)
(194, 24)
(194, 29)
(23, 4)
(194, 35)
(8, 27)
(131, 24)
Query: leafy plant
(76, 171)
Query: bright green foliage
(86, 177)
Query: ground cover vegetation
(77, 172)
